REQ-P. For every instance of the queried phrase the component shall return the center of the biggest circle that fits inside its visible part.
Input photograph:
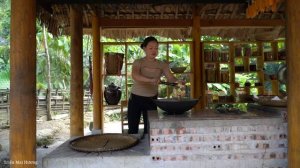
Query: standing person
(146, 73)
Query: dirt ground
(59, 131)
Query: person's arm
(137, 76)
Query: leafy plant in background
(4, 44)
(59, 51)
(4, 35)
(162, 52)
(216, 87)
(4, 56)
(4, 79)
(134, 52)
(179, 55)
(272, 69)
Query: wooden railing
(59, 103)
(4, 107)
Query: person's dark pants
(138, 105)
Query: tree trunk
(48, 109)
(87, 53)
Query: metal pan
(282, 74)
(168, 83)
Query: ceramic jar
(112, 94)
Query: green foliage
(5, 19)
(4, 35)
(179, 55)
(45, 141)
(162, 52)
(40, 86)
(59, 50)
(114, 48)
(4, 79)
(241, 106)
(217, 87)
(134, 52)
(4, 57)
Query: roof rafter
(130, 23)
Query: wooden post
(293, 63)
(275, 87)
(197, 64)
(76, 99)
(23, 84)
(97, 76)
(260, 66)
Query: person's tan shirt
(149, 69)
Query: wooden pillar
(293, 63)
(76, 99)
(97, 76)
(23, 84)
(197, 61)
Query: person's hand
(180, 82)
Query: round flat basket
(267, 101)
(103, 142)
(178, 69)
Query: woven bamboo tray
(103, 142)
(178, 69)
(113, 63)
(267, 101)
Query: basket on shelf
(178, 69)
(267, 101)
(113, 63)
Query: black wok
(176, 106)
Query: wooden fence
(59, 103)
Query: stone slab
(65, 157)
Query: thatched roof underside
(56, 18)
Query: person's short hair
(147, 40)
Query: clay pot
(112, 94)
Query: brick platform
(212, 140)
(193, 140)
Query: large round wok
(176, 106)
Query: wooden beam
(128, 23)
(242, 23)
(139, 1)
(293, 62)
(105, 22)
(23, 84)
(76, 93)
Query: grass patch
(45, 141)
(112, 117)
